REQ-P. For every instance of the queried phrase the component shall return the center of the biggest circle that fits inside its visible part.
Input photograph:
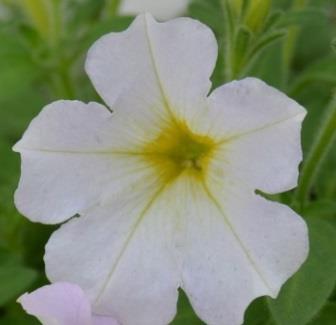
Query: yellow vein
(236, 236)
(156, 72)
(265, 127)
(80, 152)
(129, 239)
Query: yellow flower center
(177, 150)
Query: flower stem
(229, 36)
(319, 150)
(111, 7)
(69, 91)
(290, 43)
(45, 17)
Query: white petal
(69, 160)
(124, 255)
(172, 61)
(65, 125)
(260, 128)
(239, 246)
(268, 159)
(58, 304)
(162, 10)
(63, 170)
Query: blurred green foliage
(292, 43)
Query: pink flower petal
(103, 320)
(60, 304)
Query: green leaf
(257, 313)
(16, 75)
(240, 50)
(14, 279)
(258, 49)
(272, 20)
(15, 315)
(323, 70)
(257, 13)
(321, 209)
(113, 24)
(327, 316)
(236, 7)
(185, 314)
(112, 7)
(16, 66)
(44, 15)
(310, 15)
(266, 40)
(82, 14)
(303, 296)
(209, 12)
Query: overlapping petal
(260, 128)
(172, 61)
(62, 304)
(125, 255)
(59, 164)
(238, 247)
(72, 152)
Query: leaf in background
(16, 74)
(240, 49)
(269, 66)
(325, 186)
(258, 313)
(14, 279)
(81, 14)
(266, 40)
(272, 20)
(310, 15)
(323, 70)
(15, 315)
(16, 66)
(185, 314)
(257, 13)
(314, 42)
(325, 209)
(327, 316)
(209, 12)
(303, 296)
(113, 24)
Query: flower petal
(103, 320)
(65, 125)
(260, 129)
(162, 10)
(124, 255)
(239, 246)
(58, 304)
(75, 156)
(63, 166)
(173, 60)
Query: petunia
(165, 186)
(161, 9)
(62, 304)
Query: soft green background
(42, 50)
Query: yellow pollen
(177, 150)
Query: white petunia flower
(165, 185)
(62, 304)
(161, 9)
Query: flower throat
(178, 150)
